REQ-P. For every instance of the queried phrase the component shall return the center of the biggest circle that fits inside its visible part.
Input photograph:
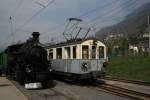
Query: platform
(8, 91)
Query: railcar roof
(70, 42)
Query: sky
(19, 18)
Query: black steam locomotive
(28, 64)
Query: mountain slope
(130, 24)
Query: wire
(12, 17)
(17, 8)
(139, 14)
(37, 13)
(96, 9)
(123, 5)
(118, 18)
(83, 15)
(112, 13)
(87, 13)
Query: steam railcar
(81, 59)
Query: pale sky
(36, 15)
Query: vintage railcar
(28, 64)
(79, 59)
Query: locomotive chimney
(36, 36)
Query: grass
(130, 67)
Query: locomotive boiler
(28, 64)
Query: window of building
(101, 52)
(59, 53)
(74, 52)
(85, 52)
(93, 52)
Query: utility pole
(149, 31)
(11, 26)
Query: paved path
(8, 91)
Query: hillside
(130, 24)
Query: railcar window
(74, 52)
(85, 52)
(93, 52)
(67, 52)
(59, 53)
(51, 54)
(101, 52)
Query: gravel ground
(85, 93)
(66, 91)
(42, 94)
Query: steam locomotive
(27, 63)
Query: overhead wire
(121, 17)
(17, 8)
(36, 14)
(132, 6)
(141, 15)
(11, 20)
(89, 12)
(113, 14)
(83, 15)
(92, 11)
(112, 11)
(115, 11)
(96, 9)
(30, 19)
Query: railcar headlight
(84, 67)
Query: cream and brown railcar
(78, 59)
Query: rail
(139, 82)
(123, 92)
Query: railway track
(46, 94)
(127, 81)
(123, 92)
